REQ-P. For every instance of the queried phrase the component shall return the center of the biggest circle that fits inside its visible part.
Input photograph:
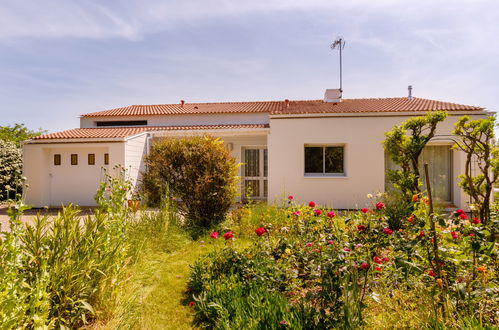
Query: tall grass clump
(59, 271)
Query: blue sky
(60, 59)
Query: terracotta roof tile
(121, 132)
(398, 104)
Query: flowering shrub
(321, 272)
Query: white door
(254, 172)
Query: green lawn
(152, 296)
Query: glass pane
(251, 188)
(439, 167)
(313, 160)
(265, 162)
(439, 161)
(252, 162)
(334, 159)
(265, 188)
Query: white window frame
(261, 177)
(324, 174)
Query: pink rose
(331, 214)
(380, 205)
(317, 212)
(260, 231)
(214, 235)
(388, 231)
(311, 204)
(364, 210)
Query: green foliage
(340, 271)
(10, 170)
(199, 172)
(58, 271)
(405, 143)
(18, 133)
(476, 139)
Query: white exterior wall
(51, 185)
(135, 152)
(363, 158)
(184, 120)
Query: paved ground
(29, 215)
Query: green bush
(198, 172)
(58, 271)
(10, 170)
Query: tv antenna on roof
(340, 44)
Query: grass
(153, 293)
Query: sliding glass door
(439, 159)
(254, 172)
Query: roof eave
(377, 114)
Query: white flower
(370, 196)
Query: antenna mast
(340, 44)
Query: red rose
(214, 235)
(471, 234)
(290, 197)
(380, 205)
(317, 212)
(377, 268)
(454, 235)
(475, 221)
(260, 231)
(361, 227)
(330, 242)
(331, 214)
(459, 211)
(364, 265)
(422, 234)
(228, 235)
(364, 210)
(431, 273)
(463, 216)
(347, 249)
(311, 204)
(415, 198)
(296, 213)
(411, 218)
(191, 303)
(388, 231)
(377, 260)
(385, 260)
(310, 244)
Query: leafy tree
(405, 143)
(18, 133)
(476, 139)
(10, 170)
(199, 172)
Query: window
(324, 160)
(74, 159)
(122, 123)
(91, 159)
(57, 159)
(106, 159)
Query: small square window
(57, 159)
(324, 160)
(74, 159)
(106, 159)
(91, 159)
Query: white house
(327, 150)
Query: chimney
(182, 102)
(332, 95)
(286, 103)
(409, 88)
